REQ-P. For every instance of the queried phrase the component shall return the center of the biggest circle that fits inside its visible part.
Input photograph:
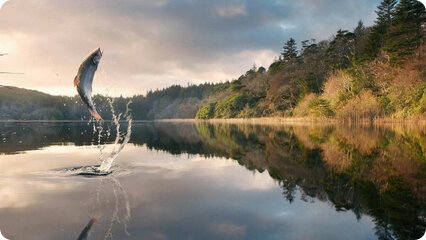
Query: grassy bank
(307, 121)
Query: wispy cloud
(153, 44)
(229, 11)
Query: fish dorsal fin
(75, 81)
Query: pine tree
(359, 30)
(419, 14)
(290, 50)
(376, 40)
(341, 50)
(307, 44)
(360, 39)
(374, 43)
(384, 12)
(405, 33)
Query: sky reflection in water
(202, 181)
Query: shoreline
(259, 121)
(305, 121)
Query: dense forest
(368, 72)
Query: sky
(152, 44)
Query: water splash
(120, 141)
(106, 158)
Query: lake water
(214, 181)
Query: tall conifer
(290, 50)
(376, 40)
(405, 33)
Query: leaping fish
(84, 79)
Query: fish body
(84, 235)
(84, 79)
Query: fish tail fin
(75, 81)
(95, 114)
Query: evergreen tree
(307, 44)
(360, 39)
(376, 40)
(384, 12)
(360, 29)
(290, 50)
(341, 50)
(405, 33)
(374, 43)
(419, 14)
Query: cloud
(153, 44)
(231, 11)
(228, 229)
(12, 196)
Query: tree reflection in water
(375, 171)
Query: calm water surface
(221, 181)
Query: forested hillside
(173, 102)
(363, 73)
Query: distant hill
(172, 102)
(23, 104)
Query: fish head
(97, 55)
